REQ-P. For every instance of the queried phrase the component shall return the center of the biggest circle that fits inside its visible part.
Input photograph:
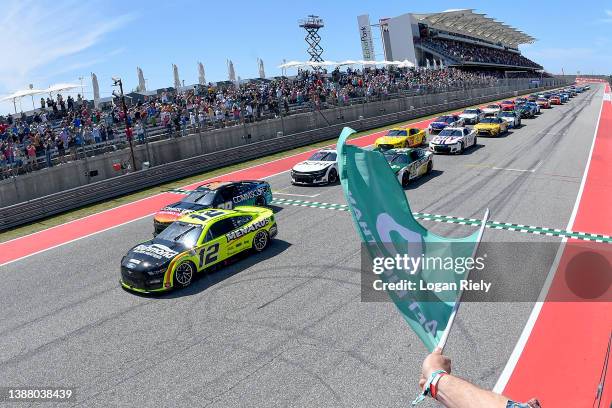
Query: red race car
(507, 105)
(543, 103)
(555, 100)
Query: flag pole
(451, 319)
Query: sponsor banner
(365, 36)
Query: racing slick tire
(260, 241)
(184, 274)
(475, 141)
(429, 167)
(332, 177)
(260, 201)
(462, 148)
(405, 179)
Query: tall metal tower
(312, 24)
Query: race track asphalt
(286, 327)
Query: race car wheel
(461, 148)
(260, 201)
(332, 177)
(405, 179)
(429, 167)
(260, 241)
(183, 274)
(475, 141)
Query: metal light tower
(312, 24)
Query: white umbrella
(231, 73)
(348, 62)
(201, 74)
(96, 90)
(177, 81)
(405, 64)
(291, 64)
(61, 87)
(142, 86)
(20, 94)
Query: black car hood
(183, 206)
(152, 255)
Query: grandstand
(457, 38)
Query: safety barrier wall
(51, 191)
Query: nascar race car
(555, 100)
(321, 167)
(492, 109)
(193, 244)
(453, 140)
(442, 122)
(512, 118)
(543, 103)
(400, 137)
(491, 127)
(214, 195)
(471, 116)
(507, 105)
(408, 164)
(534, 106)
(524, 110)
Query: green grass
(128, 198)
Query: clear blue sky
(45, 42)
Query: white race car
(511, 118)
(453, 140)
(492, 109)
(320, 168)
(471, 116)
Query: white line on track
(510, 169)
(537, 308)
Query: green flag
(388, 229)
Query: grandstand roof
(466, 22)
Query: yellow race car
(195, 243)
(494, 126)
(397, 138)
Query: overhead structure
(61, 87)
(312, 24)
(467, 22)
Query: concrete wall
(94, 169)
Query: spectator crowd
(66, 129)
(468, 52)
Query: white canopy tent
(60, 87)
(20, 94)
(303, 64)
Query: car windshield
(181, 232)
(323, 156)
(493, 107)
(542, 99)
(202, 196)
(395, 158)
(489, 120)
(507, 114)
(397, 132)
(451, 132)
(471, 111)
